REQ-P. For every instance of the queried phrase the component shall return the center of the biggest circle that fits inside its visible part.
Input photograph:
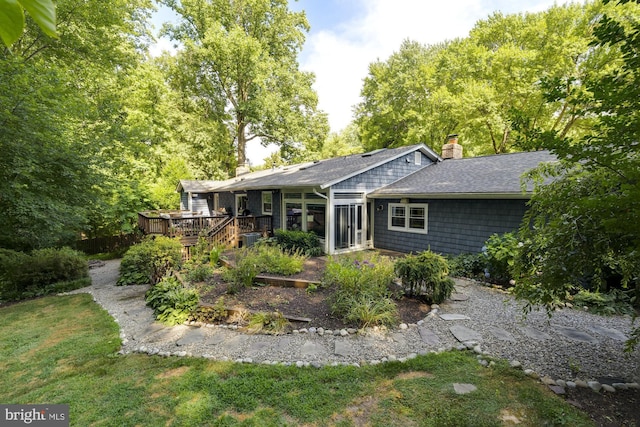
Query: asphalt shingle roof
(468, 177)
(322, 173)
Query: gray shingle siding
(454, 226)
(227, 200)
(384, 174)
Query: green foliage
(362, 292)
(295, 240)
(41, 272)
(147, 262)
(197, 272)
(214, 256)
(272, 323)
(247, 76)
(12, 20)
(467, 265)
(501, 252)
(171, 302)
(211, 314)
(426, 275)
(610, 303)
(261, 258)
(583, 228)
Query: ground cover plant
(64, 350)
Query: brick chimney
(452, 150)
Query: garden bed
(312, 303)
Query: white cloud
(340, 57)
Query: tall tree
(240, 59)
(488, 87)
(586, 224)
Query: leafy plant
(273, 323)
(467, 265)
(244, 271)
(501, 252)
(148, 261)
(609, 303)
(198, 272)
(214, 256)
(425, 274)
(362, 292)
(172, 303)
(217, 312)
(305, 242)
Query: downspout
(320, 194)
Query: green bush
(197, 272)
(425, 274)
(501, 252)
(148, 261)
(171, 302)
(467, 265)
(304, 242)
(362, 292)
(609, 303)
(244, 271)
(42, 272)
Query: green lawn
(63, 350)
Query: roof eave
(484, 196)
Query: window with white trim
(408, 217)
(267, 203)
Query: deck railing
(218, 230)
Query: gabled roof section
(322, 173)
(472, 177)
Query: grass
(64, 350)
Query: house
(405, 199)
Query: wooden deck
(218, 231)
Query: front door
(348, 226)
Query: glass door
(348, 226)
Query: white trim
(262, 202)
(238, 196)
(406, 228)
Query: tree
(583, 229)
(239, 60)
(488, 87)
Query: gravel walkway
(572, 344)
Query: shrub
(197, 272)
(362, 292)
(214, 256)
(210, 314)
(271, 259)
(268, 323)
(467, 265)
(42, 272)
(171, 302)
(610, 303)
(501, 252)
(305, 242)
(147, 262)
(245, 270)
(425, 274)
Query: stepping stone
(216, 339)
(535, 334)
(191, 337)
(428, 336)
(454, 316)
(398, 338)
(501, 334)
(284, 343)
(608, 332)
(459, 297)
(309, 348)
(236, 343)
(257, 347)
(464, 334)
(342, 348)
(575, 334)
(461, 388)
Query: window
(267, 203)
(408, 217)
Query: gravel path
(572, 344)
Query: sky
(347, 35)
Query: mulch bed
(296, 302)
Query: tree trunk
(242, 141)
